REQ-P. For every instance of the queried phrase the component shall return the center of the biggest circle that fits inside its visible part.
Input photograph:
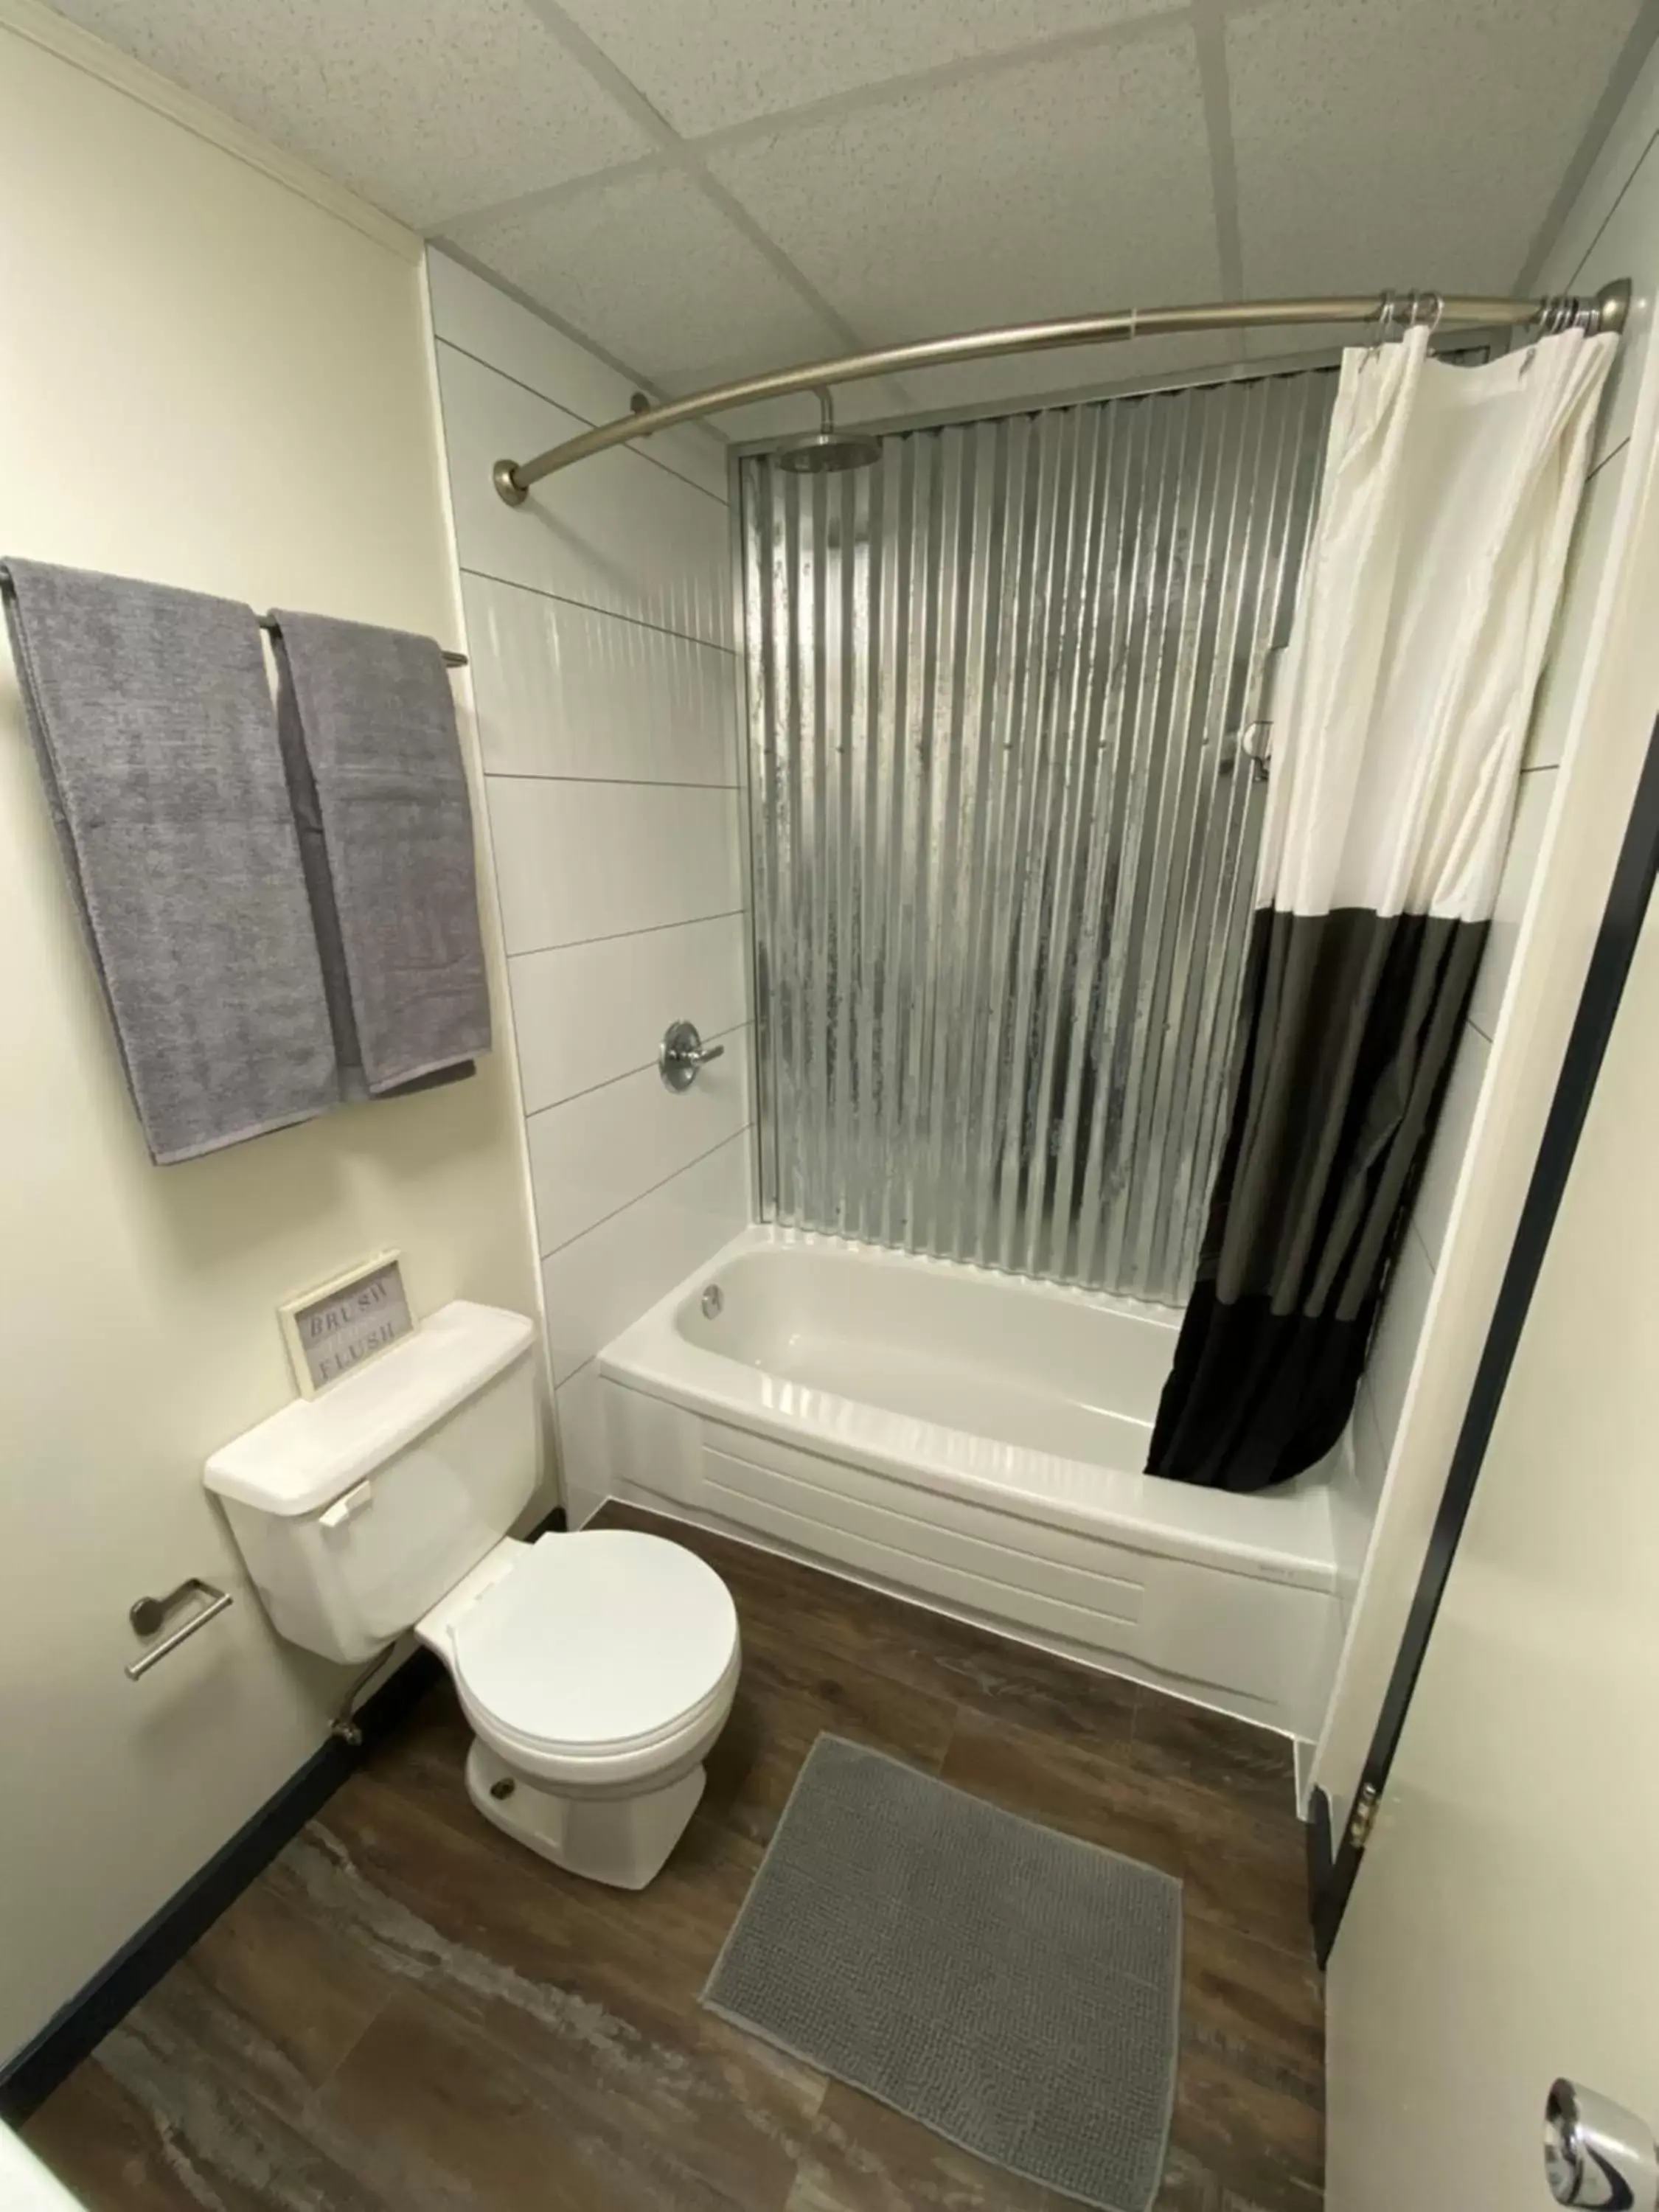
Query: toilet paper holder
(147, 1614)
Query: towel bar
(451, 660)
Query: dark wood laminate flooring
(407, 2012)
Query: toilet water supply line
(344, 1728)
(1608, 311)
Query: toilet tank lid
(312, 1452)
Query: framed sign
(333, 1330)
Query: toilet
(595, 1670)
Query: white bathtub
(972, 1440)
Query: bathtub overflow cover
(712, 1301)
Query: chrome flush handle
(682, 1053)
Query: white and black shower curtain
(1431, 581)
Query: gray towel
(150, 712)
(378, 792)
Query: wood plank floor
(407, 2012)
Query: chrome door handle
(1596, 2153)
(682, 1053)
(147, 1614)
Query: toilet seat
(599, 1658)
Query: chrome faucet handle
(682, 1052)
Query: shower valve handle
(682, 1053)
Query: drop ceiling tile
(708, 64)
(649, 267)
(1045, 189)
(1408, 141)
(451, 104)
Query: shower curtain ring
(1387, 308)
(1557, 313)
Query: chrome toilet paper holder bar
(147, 1614)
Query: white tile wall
(599, 627)
(606, 1280)
(564, 690)
(618, 532)
(584, 1443)
(587, 1013)
(1586, 565)
(1354, 1495)
(1388, 1375)
(578, 859)
(587, 1153)
(479, 318)
(1618, 251)
(1532, 814)
(1433, 1211)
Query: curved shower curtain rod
(1606, 311)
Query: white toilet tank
(358, 1509)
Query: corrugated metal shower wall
(1003, 862)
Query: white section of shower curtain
(1431, 585)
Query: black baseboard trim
(74, 2032)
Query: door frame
(1332, 1870)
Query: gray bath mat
(1014, 1989)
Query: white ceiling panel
(1043, 188)
(708, 64)
(910, 167)
(421, 108)
(1408, 143)
(649, 267)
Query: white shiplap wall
(599, 622)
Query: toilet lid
(597, 1639)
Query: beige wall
(211, 378)
(1596, 705)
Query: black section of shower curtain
(1349, 1024)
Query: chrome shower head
(826, 450)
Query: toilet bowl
(596, 1670)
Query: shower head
(826, 450)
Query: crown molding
(43, 27)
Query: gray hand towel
(374, 763)
(150, 713)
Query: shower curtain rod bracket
(1607, 312)
(505, 476)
